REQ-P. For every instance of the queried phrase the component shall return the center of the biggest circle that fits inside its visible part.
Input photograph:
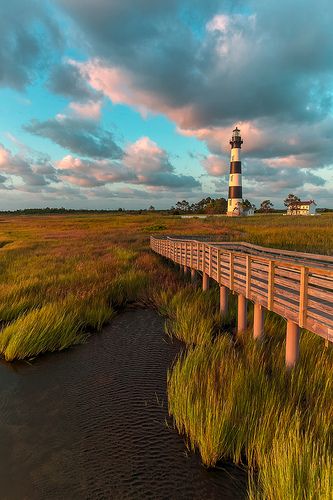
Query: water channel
(90, 423)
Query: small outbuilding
(302, 208)
(248, 211)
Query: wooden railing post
(186, 254)
(231, 271)
(258, 321)
(292, 344)
(270, 291)
(248, 276)
(303, 296)
(242, 314)
(203, 258)
(218, 266)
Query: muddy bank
(90, 423)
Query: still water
(90, 423)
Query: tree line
(205, 206)
(220, 205)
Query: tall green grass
(298, 466)
(91, 267)
(49, 328)
(192, 315)
(236, 401)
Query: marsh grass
(127, 288)
(49, 328)
(235, 401)
(297, 467)
(192, 316)
(91, 267)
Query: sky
(132, 103)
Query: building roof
(298, 203)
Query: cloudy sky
(127, 103)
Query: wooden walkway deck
(297, 286)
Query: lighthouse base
(234, 214)
(235, 207)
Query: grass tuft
(49, 328)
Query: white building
(248, 211)
(302, 208)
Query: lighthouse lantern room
(235, 196)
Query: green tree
(247, 204)
(291, 198)
(266, 206)
(183, 206)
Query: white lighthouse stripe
(235, 154)
(235, 180)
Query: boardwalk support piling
(242, 314)
(186, 270)
(205, 281)
(193, 275)
(292, 344)
(258, 321)
(224, 296)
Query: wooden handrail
(297, 286)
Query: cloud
(83, 137)
(30, 173)
(204, 65)
(27, 33)
(143, 162)
(215, 165)
(90, 110)
(66, 79)
(210, 66)
(245, 65)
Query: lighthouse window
(231, 178)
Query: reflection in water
(91, 423)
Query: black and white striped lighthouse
(235, 196)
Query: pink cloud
(119, 86)
(291, 161)
(90, 110)
(143, 162)
(4, 156)
(144, 156)
(215, 165)
(217, 138)
(262, 138)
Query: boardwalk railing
(297, 286)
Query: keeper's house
(302, 208)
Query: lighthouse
(235, 196)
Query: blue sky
(131, 103)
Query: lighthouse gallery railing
(297, 286)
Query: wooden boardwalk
(297, 286)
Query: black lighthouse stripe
(235, 167)
(235, 192)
